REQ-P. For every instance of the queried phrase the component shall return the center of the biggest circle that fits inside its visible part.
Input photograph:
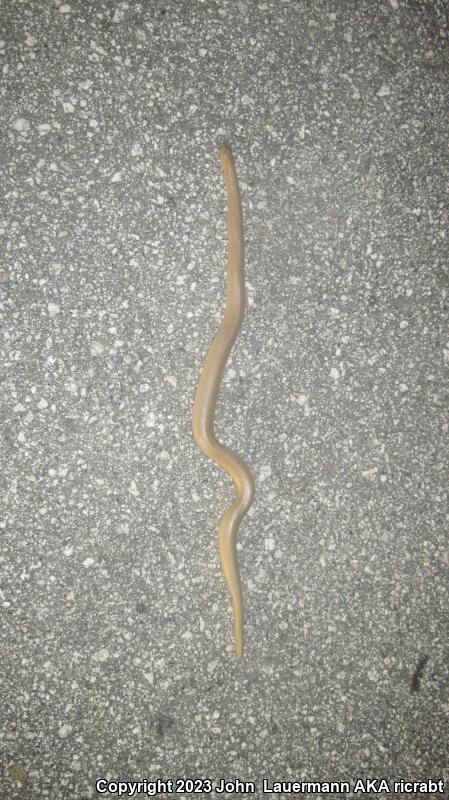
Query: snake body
(207, 396)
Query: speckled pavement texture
(116, 640)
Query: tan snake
(207, 396)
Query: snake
(206, 398)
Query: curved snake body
(207, 396)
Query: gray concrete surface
(116, 646)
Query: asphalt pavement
(116, 639)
